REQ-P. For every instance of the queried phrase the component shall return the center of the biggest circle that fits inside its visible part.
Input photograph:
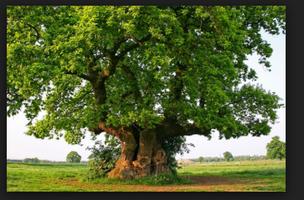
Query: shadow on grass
(254, 173)
(163, 179)
(204, 178)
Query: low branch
(117, 132)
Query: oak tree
(147, 75)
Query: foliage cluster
(103, 157)
(185, 61)
(73, 157)
(173, 146)
(276, 149)
(228, 156)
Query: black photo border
(294, 105)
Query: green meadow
(251, 176)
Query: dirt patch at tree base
(200, 183)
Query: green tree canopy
(73, 157)
(200, 159)
(276, 149)
(228, 156)
(133, 70)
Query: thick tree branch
(35, 29)
(83, 76)
(191, 129)
(176, 89)
(114, 58)
(171, 128)
(117, 132)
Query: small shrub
(103, 158)
(173, 146)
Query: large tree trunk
(141, 156)
(142, 152)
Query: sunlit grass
(264, 175)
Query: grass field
(253, 176)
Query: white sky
(20, 146)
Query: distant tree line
(235, 158)
(276, 149)
(33, 160)
(72, 157)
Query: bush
(276, 149)
(173, 146)
(103, 157)
(73, 157)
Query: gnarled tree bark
(141, 153)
